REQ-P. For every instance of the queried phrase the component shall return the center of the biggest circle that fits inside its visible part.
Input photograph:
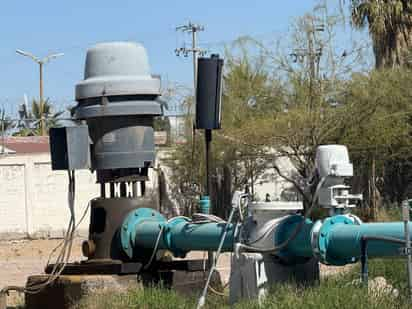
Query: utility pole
(313, 53)
(194, 50)
(41, 63)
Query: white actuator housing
(333, 165)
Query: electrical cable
(77, 226)
(199, 218)
(155, 248)
(64, 255)
(269, 229)
(202, 298)
(294, 233)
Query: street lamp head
(39, 61)
(50, 57)
(27, 54)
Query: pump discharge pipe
(335, 241)
(145, 229)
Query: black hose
(295, 232)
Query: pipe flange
(314, 238)
(135, 217)
(320, 241)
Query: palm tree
(5, 122)
(390, 26)
(30, 124)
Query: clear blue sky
(45, 26)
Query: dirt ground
(22, 258)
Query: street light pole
(40, 62)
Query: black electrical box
(209, 92)
(70, 148)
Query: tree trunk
(393, 49)
(373, 204)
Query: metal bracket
(404, 251)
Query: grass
(335, 292)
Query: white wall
(33, 198)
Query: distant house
(24, 145)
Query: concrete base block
(67, 290)
(252, 274)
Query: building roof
(40, 144)
(22, 145)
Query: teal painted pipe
(204, 204)
(142, 227)
(338, 240)
(344, 240)
(300, 246)
(335, 241)
(181, 236)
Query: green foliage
(332, 293)
(338, 291)
(147, 298)
(277, 106)
(394, 270)
(31, 120)
(249, 94)
(380, 101)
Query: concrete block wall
(33, 198)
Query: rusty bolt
(88, 248)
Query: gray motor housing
(118, 99)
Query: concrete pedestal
(67, 290)
(252, 274)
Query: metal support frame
(403, 251)
(364, 252)
(407, 250)
(115, 267)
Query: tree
(5, 125)
(30, 120)
(310, 76)
(390, 26)
(5, 122)
(381, 141)
(248, 94)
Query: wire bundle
(66, 246)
